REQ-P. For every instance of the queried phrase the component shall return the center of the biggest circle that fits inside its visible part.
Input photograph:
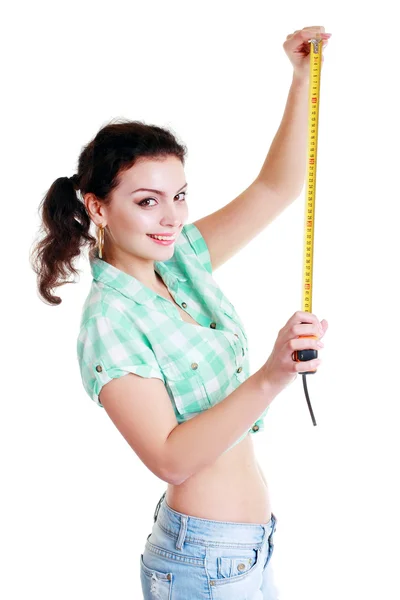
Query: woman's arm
(285, 165)
(284, 168)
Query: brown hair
(65, 220)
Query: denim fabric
(189, 558)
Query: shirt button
(213, 325)
(255, 428)
(194, 365)
(184, 304)
(239, 370)
(236, 335)
(99, 368)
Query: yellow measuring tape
(313, 116)
(309, 218)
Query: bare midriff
(231, 489)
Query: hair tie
(75, 180)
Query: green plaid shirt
(128, 328)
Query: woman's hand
(297, 48)
(280, 369)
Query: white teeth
(163, 237)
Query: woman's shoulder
(191, 249)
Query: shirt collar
(131, 287)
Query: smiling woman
(104, 170)
(164, 353)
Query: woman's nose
(171, 220)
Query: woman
(155, 313)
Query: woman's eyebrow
(156, 191)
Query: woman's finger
(303, 37)
(316, 28)
(296, 344)
(301, 316)
(307, 365)
(301, 324)
(303, 329)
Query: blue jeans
(189, 558)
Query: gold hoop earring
(100, 240)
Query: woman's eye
(146, 199)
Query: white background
(77, 503)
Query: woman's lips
(162, 242)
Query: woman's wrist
(300, 80)
(267, 388)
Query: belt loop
(158, 506)
(265, 537)
(182, 532)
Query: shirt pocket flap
(185, 386)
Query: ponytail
(65, 224)
(65, 220)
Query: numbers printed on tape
(313, 114)
(309, 217)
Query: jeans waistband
(198, 530)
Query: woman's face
(132, 214)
